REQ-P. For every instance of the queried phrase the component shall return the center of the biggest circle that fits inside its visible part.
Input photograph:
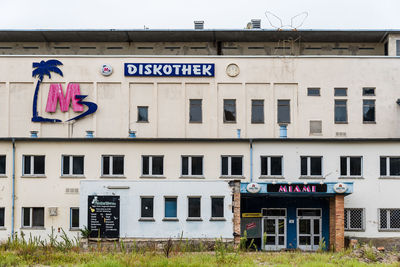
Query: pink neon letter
(56, 94)
(282, 189)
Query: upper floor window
(229, 110)
(2, 217)
(353, 219)
(113, 165)
(72, 165)
(192, 165)
(143, 114)
(283, 111)
(32, 217)
(33, 165)
(340, 91)
(74, 218)
(231, 165)
(350, 166)
(195, 112)
(340, 111)
(397, 47)
(389, 219)
(368, 110)
(311, 166)
(257, 111)
(2, 164)
(313, 91)
(152, 165)
(368, 91)
(390, 166)
(271, 165)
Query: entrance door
(274, 229)
(308, 228)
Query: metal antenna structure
(295, 21)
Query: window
(271, 166)
(229, 110)
(143, 114)
(72, 165)
(192, 165)
(33, 165)
(194, 207)
(340, 91)
(313, 92)
(152, 165)
(217, 207)
(368, 91)
(389, 219)
(113, 165)
(231, 165)
(311, 166)
(340, 111)
(170, 207)
(368, 110)
(2, 164)
(195, 112)
(32, 217)
(257, 111)
(390, 166)
(354, 219)
(147, 207)
(2, 220)
(397, 47)
(74, 218)
(283, 111)
(350, 166)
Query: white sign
(253, 188)
(106, 70)
(340, 188)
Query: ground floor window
(354, 219)
(171, 207)
(217, 207)
(390, 166)
(389, 219)
(147, 207)
(2, 211)
(32, 217)
(74, 218)
(2, 164)
(194, 207)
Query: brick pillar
(236, 212)
(336, 222)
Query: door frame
(274, 247)
(314, 246)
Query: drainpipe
(13, 191)
(251, 160)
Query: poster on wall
(103, 216)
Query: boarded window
(315, 127)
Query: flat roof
(206, 35)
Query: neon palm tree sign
(45, 68)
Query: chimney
(199, 25)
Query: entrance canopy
(297, 189)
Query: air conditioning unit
(53, 211)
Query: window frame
(30, 226)
(269, 165)
(253, 101)
(336, 89)
(189, 218)
(147, 114)
(190, 167)
(145, 218)
(313, 88)
(230, 166)
(71, 227)
(176, 218)
(388, 229)
(196, 105)
(309, 175)
(347, 213)
(213, 218)
(348, 175)
(347, 111)
(235, 113)
(32, 169)
(150, 167)
(387, 161)
(71, 166)
(111, 167)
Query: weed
(167, 248)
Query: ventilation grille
(256, 23)
(340, 134)
(199, 25)
(71, 190)
(315, 127)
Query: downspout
(13, 191)
(251, 160)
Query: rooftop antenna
(295, 22)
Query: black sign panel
(103, 216)
(296, 188)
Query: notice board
(103, 216)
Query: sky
(180, 14)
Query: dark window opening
(257, 111)
(147, 207)
(217, 207)
(340, 111)
(368, 110)
(195, 112)
(194, 207)
(283, 111)
(313, 92)
(340, 91)
(143, 115)
(229, 110)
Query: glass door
(308, 228)
(274, 229)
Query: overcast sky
(180, 14)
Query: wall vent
(71, 190)
(340, 134)
(256, 23)
(199, 25)
(315, 127)
(53, 211)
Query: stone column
(336, 222)
(332, 217)
(236, 212)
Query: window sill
(271, 177)
(341, 122)
(194, 219)
(74, 229)
(354, 230)
(195, 122)
(315, 134)
(257, 122)
(316, 177)
(146, 219)
(351, 177)
(142, 121)
(33, 176)
(113, 176)
(217, 219)
(232, 177)
(230, 122)
(170, 220)
(388, 230)
(33, 228)
(73, 176)
(192, 177)
(2, 228)
(153, 176)
(369, 122)
(389, 177)
(3, 176)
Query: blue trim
(330, 191)
(92, 107)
